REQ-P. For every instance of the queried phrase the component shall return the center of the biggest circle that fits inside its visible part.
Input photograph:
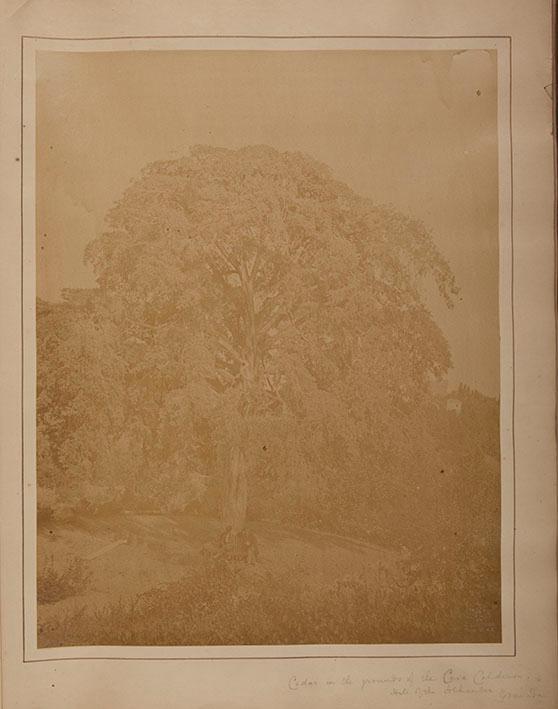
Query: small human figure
(253, 550)
(219, 547)
(225, 542)
(248, 547)
(224, 538)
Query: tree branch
(227, 259)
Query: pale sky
(414, 129)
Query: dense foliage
(218, 604)
(254, 315)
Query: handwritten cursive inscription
(514, 688)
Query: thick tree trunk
(236, 483)
(236, 493)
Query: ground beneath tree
(128, 554)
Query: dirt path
(131, 553)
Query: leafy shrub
(55, 584)
(46, 504)
(222, 603)
(51, 506)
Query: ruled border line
(286, 37)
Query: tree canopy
(258, 330)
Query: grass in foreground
(225, 603)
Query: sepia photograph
(268, 380)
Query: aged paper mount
(441, 674)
